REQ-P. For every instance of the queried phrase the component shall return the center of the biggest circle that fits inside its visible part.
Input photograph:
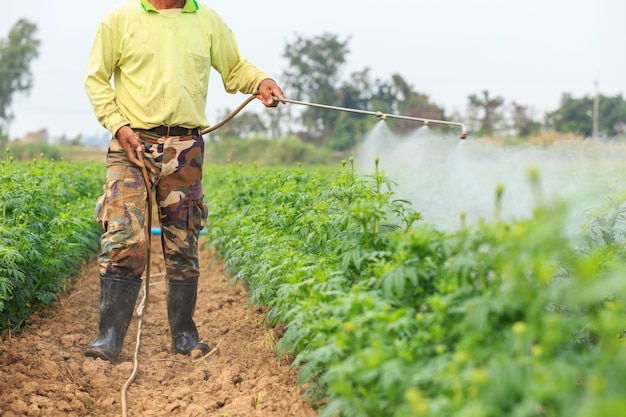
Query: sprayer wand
(382, 115)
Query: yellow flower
(417, 402)
(349, 327)
(461, 356)
(519, 327)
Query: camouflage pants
(174, 166)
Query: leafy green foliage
(315, 75)
(314, 72)
(288, 151)
(389, 317)
(574, 115)
(46, 231)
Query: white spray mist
(443, 176)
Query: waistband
(171, 131)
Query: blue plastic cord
(157, 231)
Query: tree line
(17, 51)
(314, 74)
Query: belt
(172, 131)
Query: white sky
(528, 51)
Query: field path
(43, 371)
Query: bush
(265, 152)
(390, 318)
(46, 231)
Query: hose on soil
(141, 310)
(146, 286)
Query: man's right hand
(131, 144)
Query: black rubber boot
(117, 302)
(181, 304)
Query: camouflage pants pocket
(198, 211)
(123, 199)
(180, 233)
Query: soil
(43, 371)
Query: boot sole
(198, 346)
(97, 353)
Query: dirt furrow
(43, 371)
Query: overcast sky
(527, 51)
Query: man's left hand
(268, 90)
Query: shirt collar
(189, 7)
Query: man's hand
(131, 144)
(268, 90)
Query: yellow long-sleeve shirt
(161, 64)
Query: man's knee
(123, 253)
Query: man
(159, 53)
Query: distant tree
(575, 115)
(412, 104)
(395, 96)
(348, 128)
(244, 125)
(17, 52)
(523, 121)
(486, 113)
(384, 96)
(314, 75)
(612, 115)
(356, 92)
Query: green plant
(387, 316)
(46, 231)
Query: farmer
(159, 53)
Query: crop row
(387, 316)
(47, 231)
